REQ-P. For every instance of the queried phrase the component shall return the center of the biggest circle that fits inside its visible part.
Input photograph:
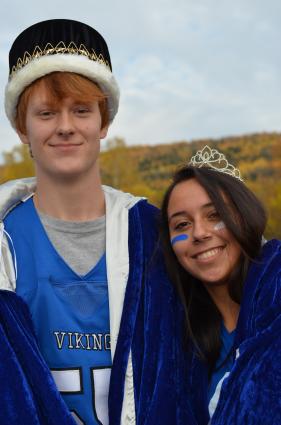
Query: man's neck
(77, 200)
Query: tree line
(146, 170)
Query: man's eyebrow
(45, 104)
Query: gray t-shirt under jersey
(80, 244)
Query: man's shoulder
(144, 222)
(14, 191)
(147, 211)
(116, 198)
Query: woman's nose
(201, 230)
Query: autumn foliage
(146, 170)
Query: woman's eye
(182, 225)
(214, 215)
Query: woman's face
(202, 244)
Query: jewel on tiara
(212, 158)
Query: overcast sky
(187, 69)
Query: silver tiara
(212, 158)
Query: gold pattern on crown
(212, 158)
(61, 48)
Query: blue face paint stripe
(179, 238)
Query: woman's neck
(228, 308)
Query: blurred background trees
(147, 170)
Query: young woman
(229, 281)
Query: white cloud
(186, 69)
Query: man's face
(64, 138)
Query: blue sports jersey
(227, 339)
(70, 315)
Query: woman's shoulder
(261, 302)
(265, 268)
(267, 264)
(271, 249)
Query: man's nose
(65, 125)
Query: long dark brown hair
(245, 217)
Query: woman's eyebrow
(205, 206)
(210, 204)
(176, 214)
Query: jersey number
(69, 381)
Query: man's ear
(23, 137)
(103, 131)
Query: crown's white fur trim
(78, 64)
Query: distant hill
(146, 170)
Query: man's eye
(82, 110)
(45, 113)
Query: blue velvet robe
(151, 326)
(252, 393)
(28, 395)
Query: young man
(82, 256)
